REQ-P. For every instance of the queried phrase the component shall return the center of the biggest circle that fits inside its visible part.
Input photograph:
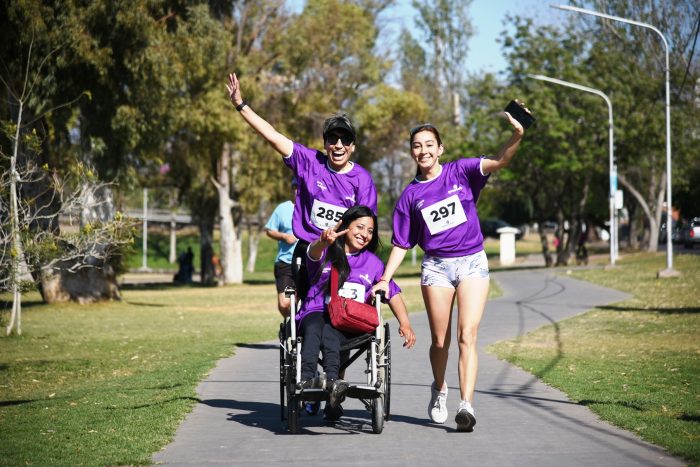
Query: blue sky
(487, 17)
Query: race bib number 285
(324, 215)
(444, 215)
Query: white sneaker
(437, 409)
(465, 418)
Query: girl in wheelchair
(350, 248)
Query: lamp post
(669, 271)
(144, 256)
(612, 171)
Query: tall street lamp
(613, 172)
(669, 271)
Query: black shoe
(319, 382)
(332, 414)
(336, 389)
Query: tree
(53, 257)
(384, 116)
(630, 60)
(446, 30)
(109, 52)
(558, 167)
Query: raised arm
(281, 143)
(507, 151)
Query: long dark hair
(336, 251)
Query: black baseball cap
(338, 123)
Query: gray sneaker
(465, 418)
(336, 390)
(437, 409)
(318, 382)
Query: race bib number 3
(351, 290)
(324, 215)
(444, 215)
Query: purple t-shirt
(365, 270)
(323, 194)
(440, 214)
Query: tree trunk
(206, 251)
(253, 242)
(545, 244)
(16, 249)
(172, 254)
(87, 285)
(231, 255)
(654, 219)
(254, 234)
(97, 280)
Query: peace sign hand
(330, 235)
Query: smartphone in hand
(520, 114)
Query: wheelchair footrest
(311, 394)
(363, 392)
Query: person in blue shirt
(279, 228)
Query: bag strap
(334, 281)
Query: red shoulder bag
(350, 315)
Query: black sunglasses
(345, 138)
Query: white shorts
(449, 272)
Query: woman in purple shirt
(328, 184)
(437, 211)
(349, 246)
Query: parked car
(676, 232)
(489, 228)
(690, 232)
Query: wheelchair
(374, 394)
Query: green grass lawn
(637, 363)
(109, 383)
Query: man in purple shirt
(437, 211)
(328, 184)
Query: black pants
(319, 335)
(300, 274)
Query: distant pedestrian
(185, 262)
(581, 250)
(279, 227)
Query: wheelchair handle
(380, 293)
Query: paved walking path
(520, 421)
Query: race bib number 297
(444, 215)
(324, 215)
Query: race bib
(351, 290)
(324, 215)
(444, 215)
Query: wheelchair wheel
(385, 371)
(283, 370)
(377, 415)
(293, 409)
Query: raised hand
(330, 235)
(517, 126)
(234, 89)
